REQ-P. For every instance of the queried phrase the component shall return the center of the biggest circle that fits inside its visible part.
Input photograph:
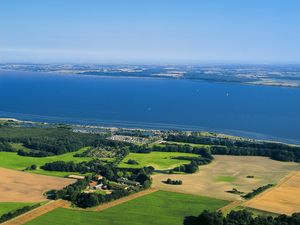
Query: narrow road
(26, 217)
(230, 206)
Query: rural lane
(26, 217)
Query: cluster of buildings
(99, 184)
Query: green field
(159, 160)
(6, 207)
(12, 160)
(159, 208)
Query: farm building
(93, 184)
(98, 177)
(128, 182)
(77, 177)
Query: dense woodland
(242, 217)
(52, 141)
(6, 147)
(226, 146)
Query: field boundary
(230, 206)
(37, 212)
(279, 184)
(119, 201)
(284, 180)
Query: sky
(150, 31)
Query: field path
(281, 198)
(230, 206)
(122, 200)
(287, 178)
(279, 184)
(26, 217)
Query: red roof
(93, 183)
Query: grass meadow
(159, 208)
(159, 160)
(11, 160)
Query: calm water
(251, 111)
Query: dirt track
(230, 206)
(17, 186)
(24, 218)
(283, 198)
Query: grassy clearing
(255, 212)
(100, 192)
(6, 207)
(225, 179)
(159, 208)
(12, 160)
(193, 145)
(159, 160)
(20, 146)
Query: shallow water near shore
(260, 112)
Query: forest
(52, 141)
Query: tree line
(242, 217)
(97, 166)
(257, 191)
(13, 214)
(204, 155)
(193, 166)
(226, 146)
(173, 182)
(93, 166)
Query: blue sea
(250, 111)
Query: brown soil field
(17, 186)
(284, 198)
(234, 168)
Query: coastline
(181, 124)
(212, 133)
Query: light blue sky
(151, 31)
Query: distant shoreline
(267, 83)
